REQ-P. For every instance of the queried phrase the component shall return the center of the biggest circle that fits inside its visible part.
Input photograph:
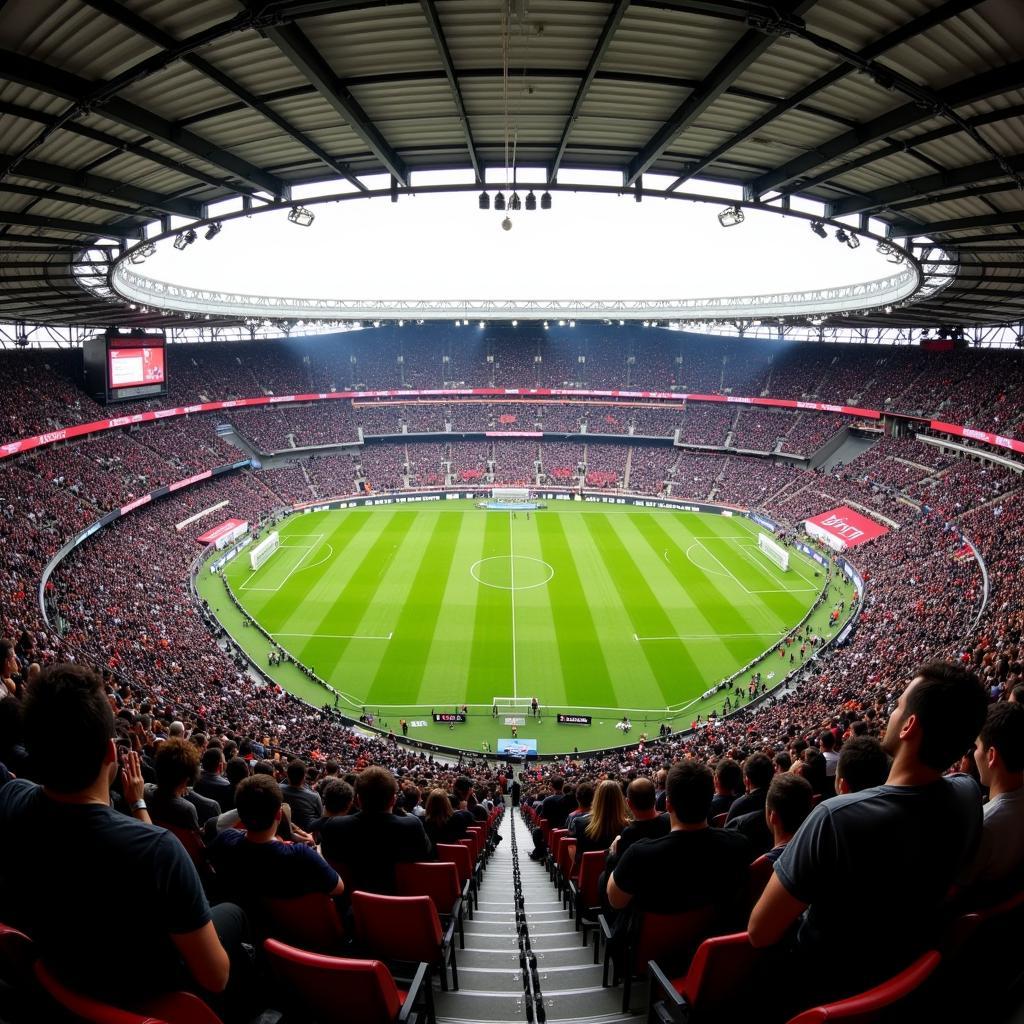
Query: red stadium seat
(719, 820)
(866, 1007)
(565, 862)
(718, 977)
(440, 881)
(171, 1008)
(586, 894)
(335, 990)
(310, 922)
(671, 939)
(405, 929)
(16, 956)
(759, 872)
(460, 856)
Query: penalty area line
(707, 636)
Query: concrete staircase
(494, 986)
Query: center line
(512, 584)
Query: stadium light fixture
(853, 241)
(531, 200)
(213, 230)
(819, 229)
(572, 323)
(185, 239)
(884, 248)
(730, 216)
(515, 323)
(506, 224)
(499, 201)
(561, 323)
(842, 237)
(483, 323)
(301, 216)
(485, 201)
(545, 201)
(547, 326)
(515, 203)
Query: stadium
(511, 511)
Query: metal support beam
(294, 44)
(137, 24)
(15, 67)
(80, 227)
(608, 31)
(969, 90)
(913, 28)
(962, 223)
(54, 174)
(746, 50)
(434, 23)
(971, 174)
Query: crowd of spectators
(606, 464)
(515, 463)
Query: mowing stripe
(672, 666)
(712, 595)
(400, 672)
(490, 661)
(584, 670)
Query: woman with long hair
(607, 818)
(442, 824)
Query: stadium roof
(113, 114)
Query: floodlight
(515, 203)
(301, 216)
(884, 248)
(515, 323)
(485, 201)
(730, 216)
(546, 325)
(531, 200)
(853, 241)
(545, 201)
(819, 229)
(842, 236)
(185, 239)
(213, 230)
(482, 323)
(499, 200)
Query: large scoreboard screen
(125, 365)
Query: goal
(510, 493)
(512, 705)
(262, 551)
(774, 552)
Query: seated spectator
(170, 801)
(899, 845)
(464, 798)
(597, 830)
(212, 782)
(827, 742)
(757, 774)
(999, 754)
(411, 800)
(441, 823)
(862, 764)
(253, 864)
(694, 865)
(305, 803)
(728, 786)
(178, 941)
(814, 768)
(787, 805)
(647, 823)
(374, 839)
(584, 800)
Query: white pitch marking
(336, 636)
(298, 564)
(512, 589)
(707, 636)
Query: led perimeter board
(121, 366)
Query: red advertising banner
(997, 440)
(215, 534)
(844, 528)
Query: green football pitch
(594, 609)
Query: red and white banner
(843, 528)
(223, 534)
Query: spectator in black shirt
(306, 805)
(64, 901)
(757, 774)
(212, 783)
(694, 865)
(176, 763)
(597, 830)
(372, 841)
(863, 763)
(728, 787)
(647, 822)
(787, 805)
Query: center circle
(511, 572)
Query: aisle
(491, 979)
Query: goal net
(512, 705)
(773, 551)
(262, 551)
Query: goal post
(773, 551)
(510, 493)
(262, 551)
(512, 705)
